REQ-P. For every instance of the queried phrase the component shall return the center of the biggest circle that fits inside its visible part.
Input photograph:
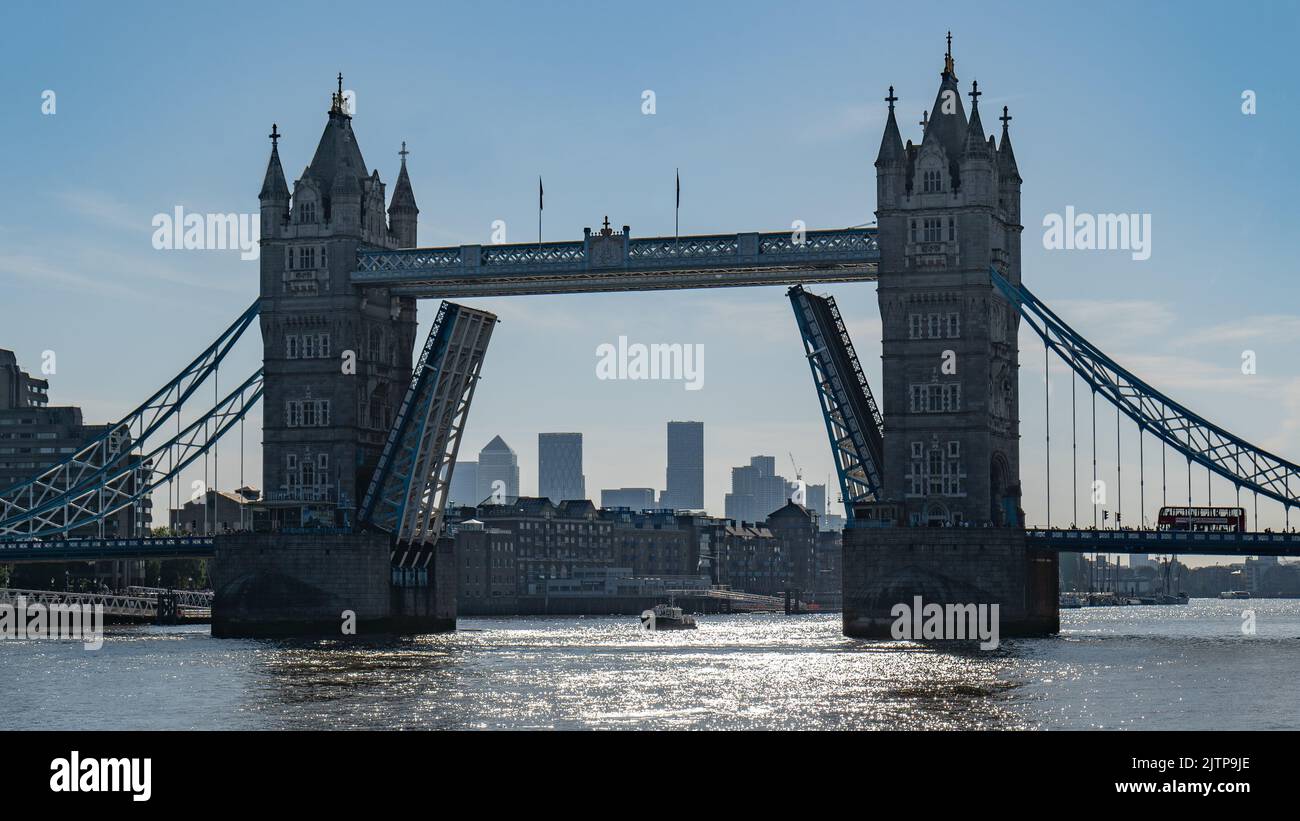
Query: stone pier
(885, 566)
(303, 584)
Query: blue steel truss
(853, 420)
(129, 476)
(608, 261)
(94, 458)
(119, 467)
(408, 492)
(1201, 441)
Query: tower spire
(336, 99)
(948, 66)
(273, 185)
(1007, 156)
(891, 144)
(975, 145)
(403, 213)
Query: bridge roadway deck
(1183, 543)
(32, 551)
(602, 263)
(1063, 539)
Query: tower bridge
(360, 437)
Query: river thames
(1177, 667)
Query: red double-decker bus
(1205, 519)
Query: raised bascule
(359, 440)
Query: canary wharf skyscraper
(685, 480)
(559, 466)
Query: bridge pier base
(325, 584)
(886, 566)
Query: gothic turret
(403, 214)
(1007, 157)
(976, 160)
(1008, 176)
(891, 161)
(974, 145)
(275, 191)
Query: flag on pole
(677, 210)
(540, 206)
(540, 193)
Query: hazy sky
(772, 112)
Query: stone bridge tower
(948, 210)
(337, 358)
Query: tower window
(914, 329)
(952, 229)
(933, 230)
(932, 181)
(935, 397)
(954, 325)
(307, 212)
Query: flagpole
(539, 209)
(677, 212)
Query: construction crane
(798, 474)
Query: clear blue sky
(773, 113)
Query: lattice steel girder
(89, 464)
(408, 493)
(130, 476)
(1201, 441)
(853, 420)
(620, 263)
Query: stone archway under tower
(1003, 502)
